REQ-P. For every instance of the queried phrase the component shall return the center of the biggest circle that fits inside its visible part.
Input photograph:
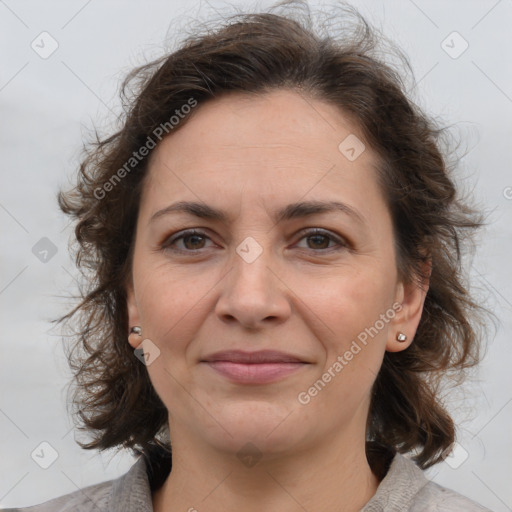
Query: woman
(273, 246)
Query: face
(318, 286)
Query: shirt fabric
(404, 488)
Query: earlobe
(134, 337)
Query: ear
(133, 315)
(411, 296)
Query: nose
(252, 292)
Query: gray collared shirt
(404, 488)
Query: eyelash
(167, 244)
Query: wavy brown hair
(338, 62)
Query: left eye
(319, 238)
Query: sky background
(60, 68)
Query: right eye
(191, 237)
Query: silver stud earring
(136, 330)
(401, 337)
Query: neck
(334, 476)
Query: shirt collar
(132, 492)
(398, 488)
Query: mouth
(259, 357)
(260, 367)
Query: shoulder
(406, 488)
(95, 497)
(433, 497)
(129, 492)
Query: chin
(269, 428)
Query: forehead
(282, 120)
(281, 143)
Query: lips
(262, 367)
(259, 357)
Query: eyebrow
(291, 211)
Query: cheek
(357, 309)
(170, 307)
(168, 312)
(166, 300)
(354, 343)
(355, 301)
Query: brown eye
(319, 240)
(196, 241)
(192, 241)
